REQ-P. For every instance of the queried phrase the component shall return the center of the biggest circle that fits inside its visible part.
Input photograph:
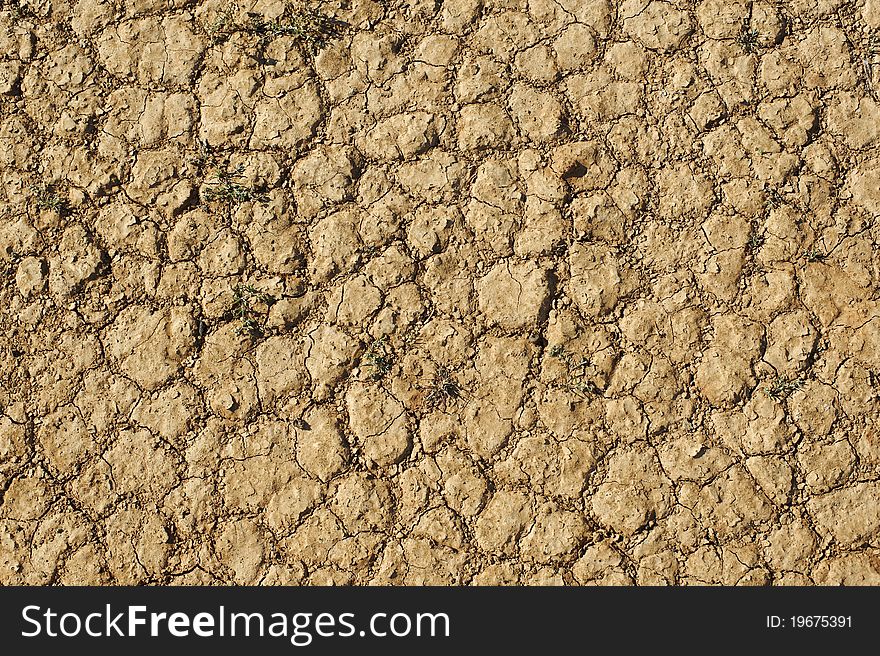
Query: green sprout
(248, 319)
(782, 387)
(756, 240)
(379, 357)
(445, 389)
(578, 372)
(748, 37)
(310, 27)
(48, 198)
(815, 255)
(774, 198)
(224, 188)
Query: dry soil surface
(440, 291)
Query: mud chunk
(732, 503)
(584, 165)
(826, 464)
(774, 476)
(280, 368)
(791, 339)
(849, 514)
(484, 126)
(596, 279)
(659, 26)
(813, 408)
(354, 302)
(537, 64)
(574, 48)
(554, 535)
(289, 118)
(403, 136)
(693, 459)
(10, 75)
(684, 192)
(380, 422)
(538, 114)
(240, 545)
(864, 185)
(721, 19)
(601, 564)
(515, 295)
(141, 465)
(794, 120)
(155, 178)
(557, 468)
(362, 503)
(599, 97)
(336, 244)
(464, 486)
(479, 79)
(871, 13)
(725, 371)
(78, 260)
(849, 569)
(707, 110)
(323, 177)
(170, 413)
(329, 358)
(504, 519)
(30, 276)
(320, 446)
(790, 547)
(502, 34)
(634, 492)
(150, 346)
(598, 14)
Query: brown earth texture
(440, 292)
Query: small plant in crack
(48, 198)
(756, 240)
(869, 60)
(815, 255)
(224, 188)
(774, 198)
(249, 320)
(868, 72)
(18, 10)
(379, 357)
(577, 379)
(445, 389)
(311, 28)
(748, 37)
(224, 24)
(205, 155)
(782, 387)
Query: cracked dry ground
(459, 292)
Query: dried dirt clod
(150, 346)
(503, 521)
(515, 295)
(554, 535)
(329, 358)
(658, 25)
(847, 514)
(484, 126)
(597, 279)
(379, 421)
(362, 503)
(635, 492)
(30, 276)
